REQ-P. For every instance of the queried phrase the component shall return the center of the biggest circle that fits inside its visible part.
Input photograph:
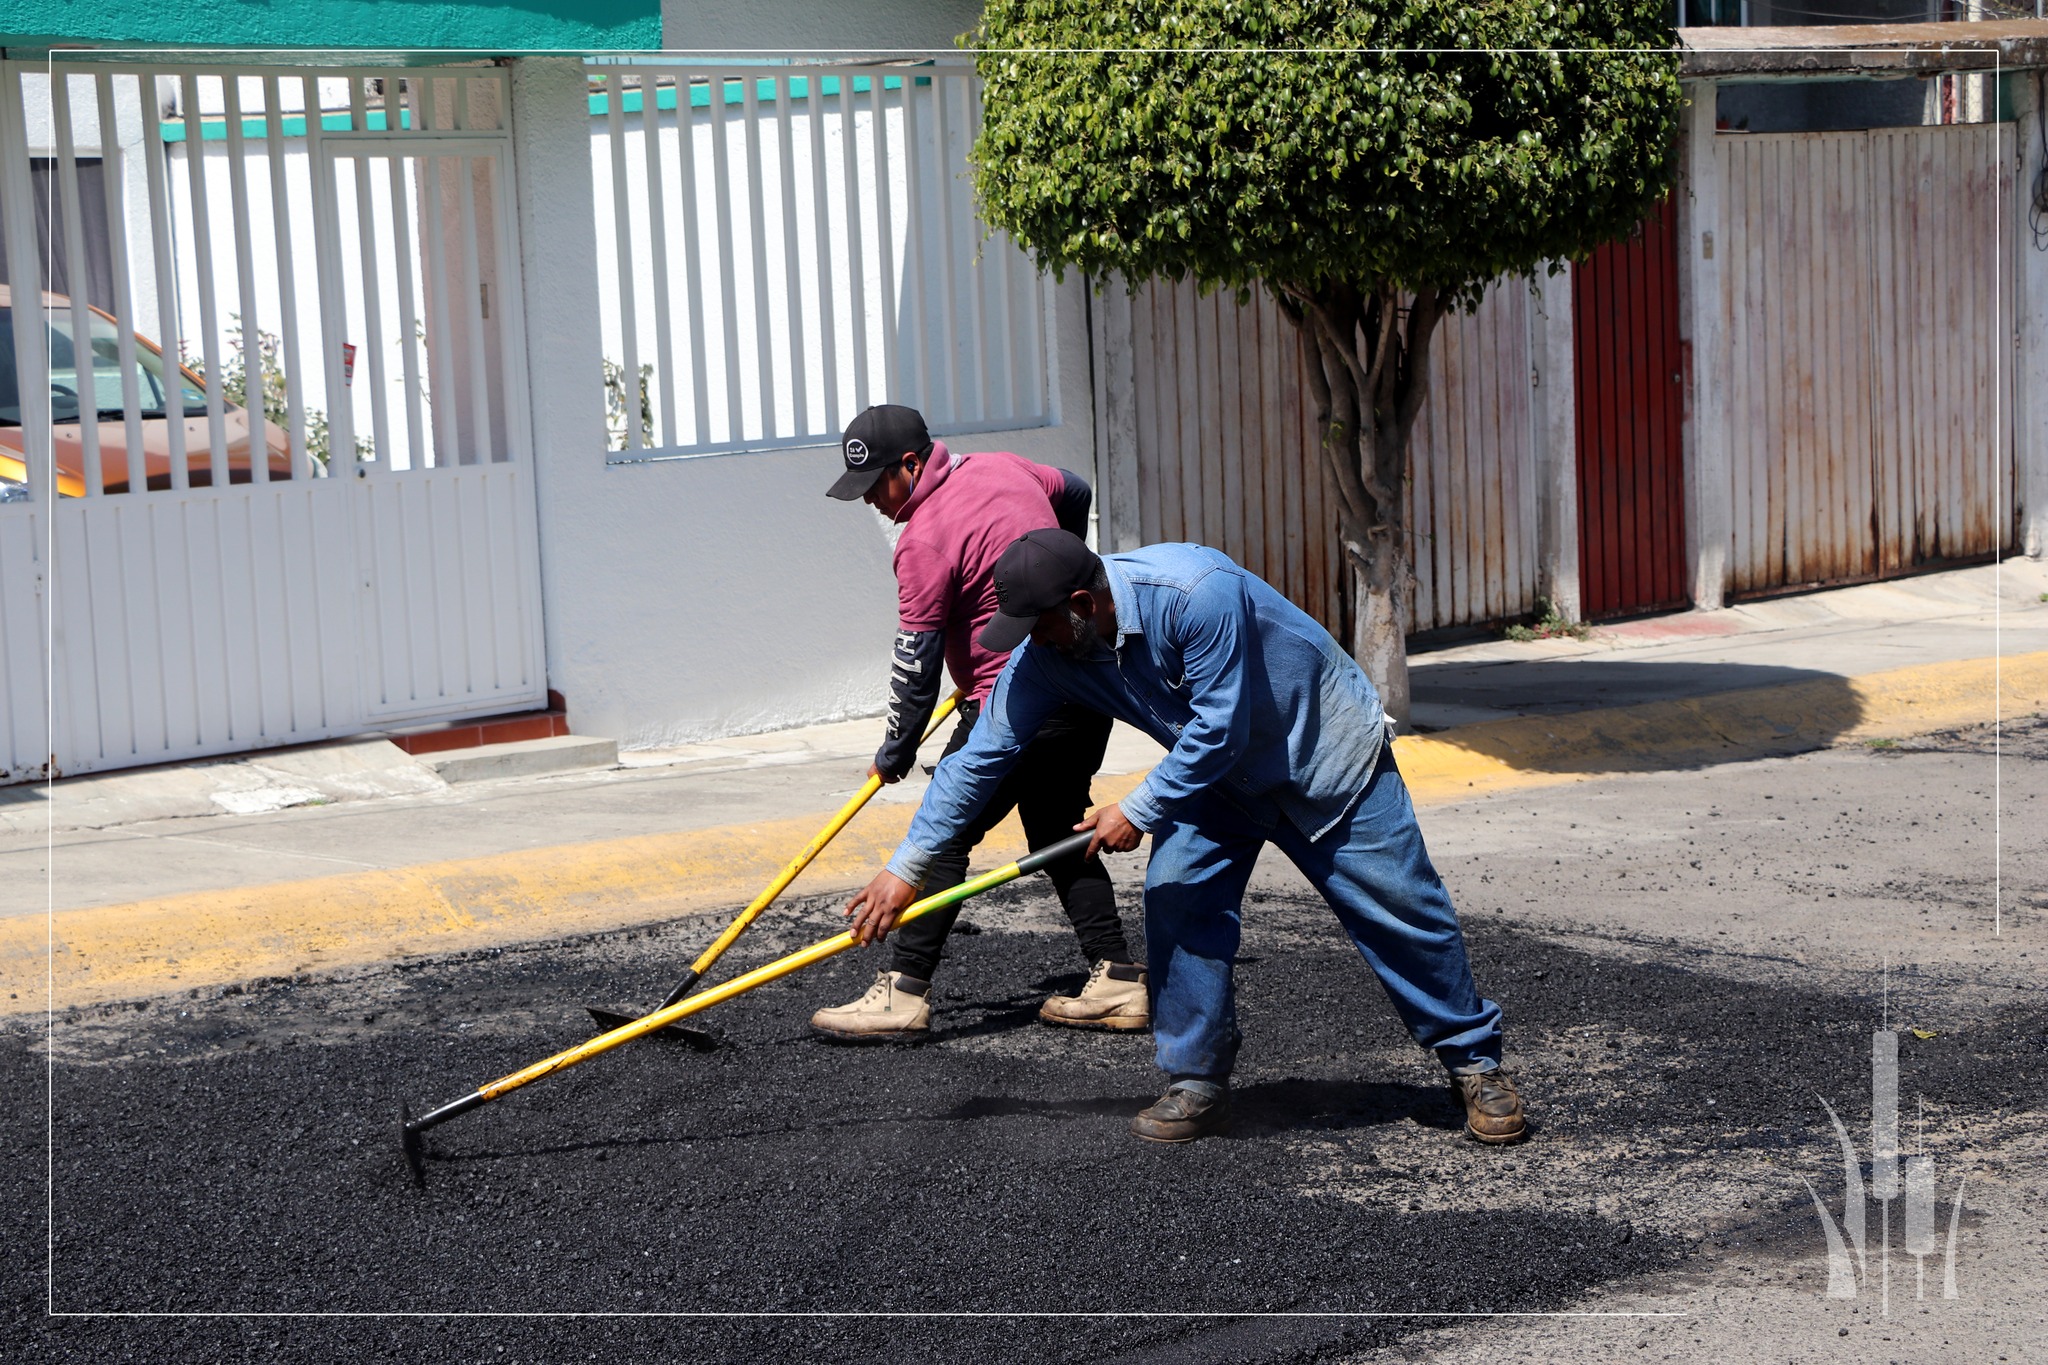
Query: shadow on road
(1011, 1106)
(1333, 1105)
(1605, 715)
(1258, 1110)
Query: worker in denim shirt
(1275, 736)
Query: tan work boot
(1493, 1111)
(893, 1010)
(1114, 998)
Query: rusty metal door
(1630, 371)
(1941, 316)
(1868, 305)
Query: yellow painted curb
(282, 929)
(215, 937)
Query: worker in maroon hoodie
(958, 514)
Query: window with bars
(91, 279)
(781, 246)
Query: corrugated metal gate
(357, 544)
(1867, 303)
(1473, 500)
(1225, 452)
(1226, 448)
(1630, 378)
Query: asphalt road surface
(1689, 964)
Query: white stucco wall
(694, 598)
(816, 25)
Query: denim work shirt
(1248, 694)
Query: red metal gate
(1629, 370)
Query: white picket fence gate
(370, 556)
(782, 245)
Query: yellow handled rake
(414, 1129)
(609, 1020)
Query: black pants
(1049, 791)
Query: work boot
(1183, 1114)
(1114, 998)
(1493, 1111)
(893, 1010)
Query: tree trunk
(1379, 638)
(1368, 373)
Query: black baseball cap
(875, 442)
(1037, 574)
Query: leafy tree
(1373, 163)
(234, 387)
(615, 426)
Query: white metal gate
(327, 523)
(779, 247)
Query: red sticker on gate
(348, 364)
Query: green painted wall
(411, 25)
(294, 125)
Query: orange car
(150, 385)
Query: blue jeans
(1048, 788)
(1372, 869)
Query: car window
(105, 359)
(10, 375)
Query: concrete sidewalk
(147, 898)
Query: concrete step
(419, 741)
(523, 758)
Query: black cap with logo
(875, 442)
(1037, 574)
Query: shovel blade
(696, 1039)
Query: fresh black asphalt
(238, 1153)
